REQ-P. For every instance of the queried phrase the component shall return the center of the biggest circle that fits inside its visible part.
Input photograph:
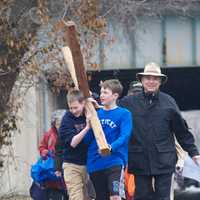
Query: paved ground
(191, 194)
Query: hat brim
(162, 76)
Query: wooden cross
(74, 60)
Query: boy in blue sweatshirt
(106, 172)
(73, 128)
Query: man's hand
(196, 159)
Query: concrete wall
(149, 41)
(23, 153)
(173, 41)
(34, 116)
(179, 41)
(197, 41)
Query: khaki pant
(75, 179)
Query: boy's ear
(116, 95)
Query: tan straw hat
(152, 69)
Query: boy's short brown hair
(75, 95)
(114, 85)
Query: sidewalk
(16, 198)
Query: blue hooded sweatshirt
(71, 126)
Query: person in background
(152, 151)
(49, 139)
(47, 147)
(135, 87)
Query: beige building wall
(23, 153)
(35, 114)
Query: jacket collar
(150, 97)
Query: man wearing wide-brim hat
(152, 152)
(152, 69)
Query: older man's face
(151, 83)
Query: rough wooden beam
(77, 59)
(77, 67)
